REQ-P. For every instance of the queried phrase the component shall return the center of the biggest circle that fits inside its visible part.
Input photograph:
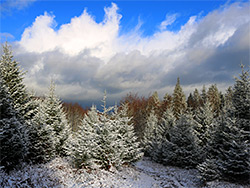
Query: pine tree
(12, 77)
(13, 135)
(179, 100)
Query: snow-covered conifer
(12, 77)
(204, 116)
(129, 145)
(42, 147)
(228, 153)
(13, 136)
(150, 133)
(241, 96)
(82, 146)
(55, 117)
(179, 100)
(182, 148)
(164, 125)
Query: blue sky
(126, 46)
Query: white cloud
(170, 19)
(85, 57)
(8, 5)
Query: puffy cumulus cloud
(82, 33)
(85, 57)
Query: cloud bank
(84, 57)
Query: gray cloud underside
(209, 56)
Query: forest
(207, 131)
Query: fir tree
(213, 96)
(203, 94)
(166, 123)
(204, 117)
(55, 117)
(179, 100)
(128, 141)
(42, 148)
(241, 96)
(228, 154)
(150, 133)
(82, 146)
(12, 77)
(13, 135)
(182, 148)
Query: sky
(87, 47)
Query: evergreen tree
(128, 143)
(203, 94)
(197, 99)
(214, 99)
(228, 154)
(166, 123)
(12, 77)
(150, 133)
(228, 98)
(82, 146)
(42, 148)
(55, 117)
(241, 96)
(179, 100)
(204, 117)
(13, 135)
(182, 148)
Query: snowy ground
(143, 174)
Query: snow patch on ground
(143, 174)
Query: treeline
(208, 130)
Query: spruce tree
(213, 96)
(12, 77)
(228, 154)
(204, 118)
(128, 141)
(150, 133)
(241, 96)
(55, 117)
(42, 148)
(13, 134)
(164, 125)
(82, 146)
(182, 148)
(179, 100)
